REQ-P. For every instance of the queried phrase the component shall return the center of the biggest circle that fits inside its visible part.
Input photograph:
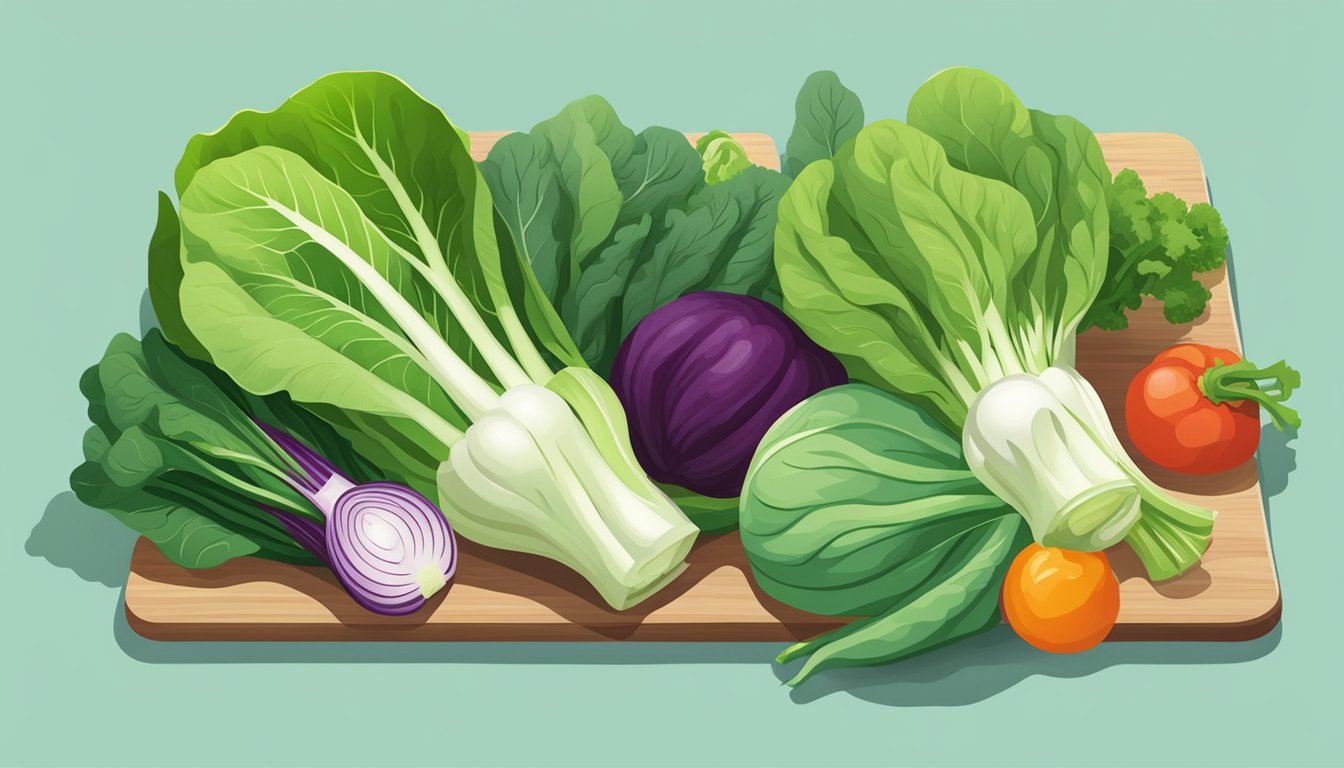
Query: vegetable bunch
(951, 259)
(877, 355)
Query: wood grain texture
(1232, 595)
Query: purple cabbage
(704, 376)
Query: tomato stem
(1268, 386)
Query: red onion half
(390, 547)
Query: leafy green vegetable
(860, 504)
(1158, 245)
(616, 223)
(951, 260)
(174, 454)
(1054, 163)
(826, 115)
(721, 156)
(344, 248)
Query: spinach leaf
(174, 453)
(615, 223)
(826, 115)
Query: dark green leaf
(826, 115)
(190, 470)
(616, 223)
(182, 534)
(165, 279)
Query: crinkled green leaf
(605, 281)
(721, 241)
(529, 197)
(721, 156)
(184, 536)
(1158, 248)
(96, 443)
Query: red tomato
(1173, 423)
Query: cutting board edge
(718, 632)
(1212, 631)
(743, 632)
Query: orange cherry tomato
(1060, 600)
(1194, 408)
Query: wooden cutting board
(1232, 595)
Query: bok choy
(951, 259)
(344, 249)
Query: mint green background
(98, 99)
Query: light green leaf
(280, 311)
(1054, 162)
(1152, 267)
(721, 156)
(409, 172)
(958, 240)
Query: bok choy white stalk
(951, 260)
(343, 248)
